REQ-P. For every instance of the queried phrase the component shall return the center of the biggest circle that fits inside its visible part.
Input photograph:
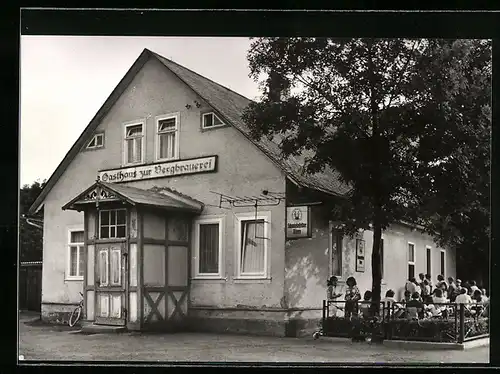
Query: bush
(341, 327)
(437, 330)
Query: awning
(163, 198)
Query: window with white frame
(167, 138)
(428, 254)
(76, 255)
(97, 141)
(112, 223)
(134, 143)
(253, 237)
(337, 251)
(208, 234)
(411, 260)
(211, 120)
(442, 263)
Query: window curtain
(167, 145)
(209, 249)
(253, 251)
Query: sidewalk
(39, 342)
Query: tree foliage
(30, 238)
(390, 115)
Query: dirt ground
(41, 342)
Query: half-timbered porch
(137, 255)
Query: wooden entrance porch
(137, 254)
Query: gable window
(443, 268)
(208, 234)
(336, 252)
(411, 260)
(211, 120)
(112, 223)
(167, 137)
(253, 239)
(96, 142)
(134, 144)
(75, 255)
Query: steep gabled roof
(228, 104)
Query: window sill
(201, 279)
(71, 279)
(157, 160)
(252, 280)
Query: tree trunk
(376, 268)
(375, 179)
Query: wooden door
(110, 284)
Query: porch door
(110, 284)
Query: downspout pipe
(31, 223)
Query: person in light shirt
(473, 286)
(411, 286)
(438, 298)
(463, 298)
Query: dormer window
(211, 120)
(96, 142)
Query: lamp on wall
(188, 106)
(197, 104)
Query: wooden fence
(30, 286)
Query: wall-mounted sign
(297, 222)
(360, 255)
(159, 170)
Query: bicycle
(76, 313)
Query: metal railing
(450, 322)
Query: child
(332, 295)
(365, 307)
(352, 296)
(388, 301)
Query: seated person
(389, 300)
(365, 307)
(438, 298)
(406, 298)
(414, 307)
(478, 301)
(463, 298)
(430, 309)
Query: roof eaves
(108, 103)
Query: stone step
(89, 329)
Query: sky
(64, 80)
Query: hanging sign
(159, 170)
(360, 255)
(297, 222)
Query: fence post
(324, 311)
(462, 324)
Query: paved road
(53, 343)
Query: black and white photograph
(272, 199)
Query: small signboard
(360, 255)
(297, 222)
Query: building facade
(165, 214)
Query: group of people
(451, 291)
(421, 298)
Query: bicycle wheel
(75, 316)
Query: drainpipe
(28, 220)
